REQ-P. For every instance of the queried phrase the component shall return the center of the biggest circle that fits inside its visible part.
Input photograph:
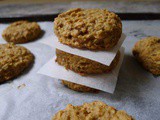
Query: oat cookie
(147, 52)
(91, 111)
(78, 87)
(83, 65)
(94, 29)
(13, 60)
(22, 32)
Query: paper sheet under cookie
(104, 82)
(104, 57)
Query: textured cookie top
(148, 47)
(147, 51)
(21, 32)
(88, 28)
(12, 60)
(91, 111)
(84, 66)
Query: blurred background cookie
(13, 60)
(94, 29)
(22, 32)
(78, 87)
(83, 65)
(91, 111)
(147, 52)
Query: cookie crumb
(21, 86)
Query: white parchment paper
(93, 55)
(137, 91)
(105, 82)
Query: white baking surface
(137, 91)
(105, 82)
(104, 57)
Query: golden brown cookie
(83, 65)
(91, 111)
(22, 32)
(94, 29)
(13, 60)
(147, 52)
(78, 87)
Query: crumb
(21, 86)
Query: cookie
(147, 52)
(22, 32)
(91, 111)
(94, 29)
(13, 61)
(78, 87)
(83, 65)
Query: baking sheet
(97, 56)
(137, 91)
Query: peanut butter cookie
(91, 111)
(94, 29)
(22, 32)
(78, 87)
(13, 60)
(83, 65)
(147, 52)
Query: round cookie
(96, 110)
(83, 65)
(78, 87)
(94, 29)
(13, 60)
(22, 32)
(147, 52)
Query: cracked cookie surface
(94, 29)
(13, 60)
(91, 111)
(147, 52)
(22, 32)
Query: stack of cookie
(88, 29)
